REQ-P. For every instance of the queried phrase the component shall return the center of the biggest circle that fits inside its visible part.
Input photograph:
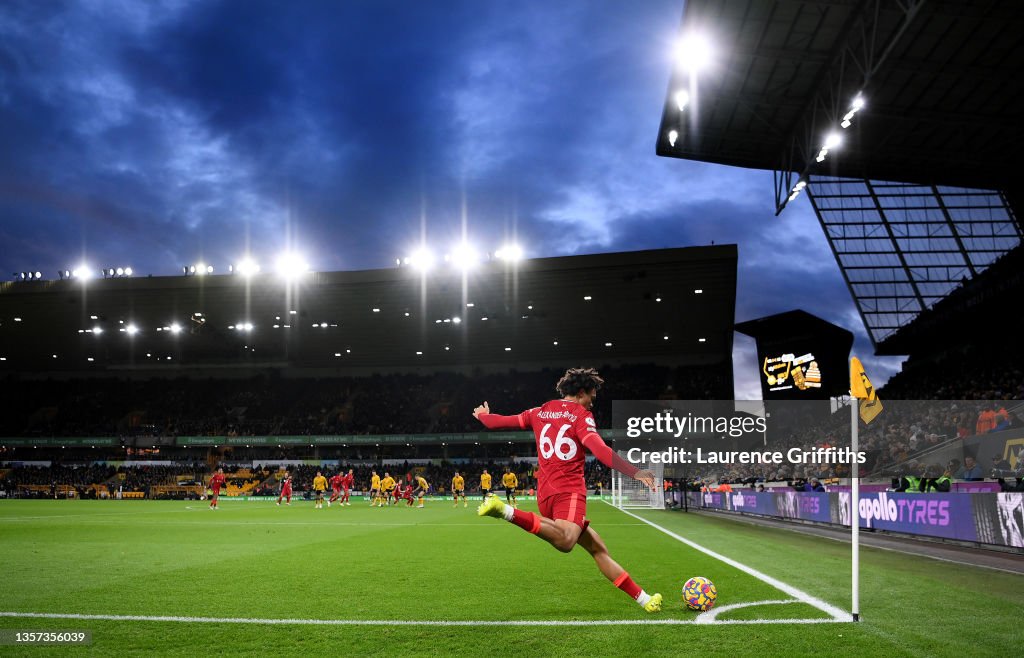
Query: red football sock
(626, 584)
(528, 521)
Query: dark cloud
(161, 133)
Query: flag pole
(855, 507)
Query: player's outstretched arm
(497, 421)
(596, 445)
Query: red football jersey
(347, 480)
(217, 481)
(561, 427)
(287, 484)
(336, 481)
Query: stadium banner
(987, 518)
(61, 442)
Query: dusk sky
(155, 134)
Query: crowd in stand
(264, 406)
(898, 442)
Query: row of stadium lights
(288, 264)
(463, 256)
(694, 54)
(832, 141)
(82, 272)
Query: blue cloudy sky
(159, 133)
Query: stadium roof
(940, 81)
(607, 308)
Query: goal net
(628, 493)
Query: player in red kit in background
(346, 483)
(286, 489)
(216, 482)
(563, 428)
(335, 488)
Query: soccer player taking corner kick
(563, 428)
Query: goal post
(628, 493)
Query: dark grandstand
(376, 367)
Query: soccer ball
(699, 593)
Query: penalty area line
(838, 615)
(409, 622)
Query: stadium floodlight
(246, 267)
(247, 326)
(833, 140)
(127, 271)
(132, 329)
(855, 106)
(39, 275)
(794, 193)
(175, 328)
(464, 256)
(673, 135)
(120, 271)
(510, 253)
(201, 269)
(693, 53)
(682, 98)
(192, 269)
(456, 320)
(422, 259)
(82, 272)
(97, 330)
(291, 265)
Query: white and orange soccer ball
(699, 593)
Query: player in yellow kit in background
(485, 484)
(459, 489)
(319, 487)
(421, 489)
(374, 487)
(510, 482)
(387, 487)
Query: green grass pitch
(257, 561)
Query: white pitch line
(710, 617)
(837, 613)
(406, 622)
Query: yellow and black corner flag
(862, 389)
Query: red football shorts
(567, 506)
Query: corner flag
(862, 389)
